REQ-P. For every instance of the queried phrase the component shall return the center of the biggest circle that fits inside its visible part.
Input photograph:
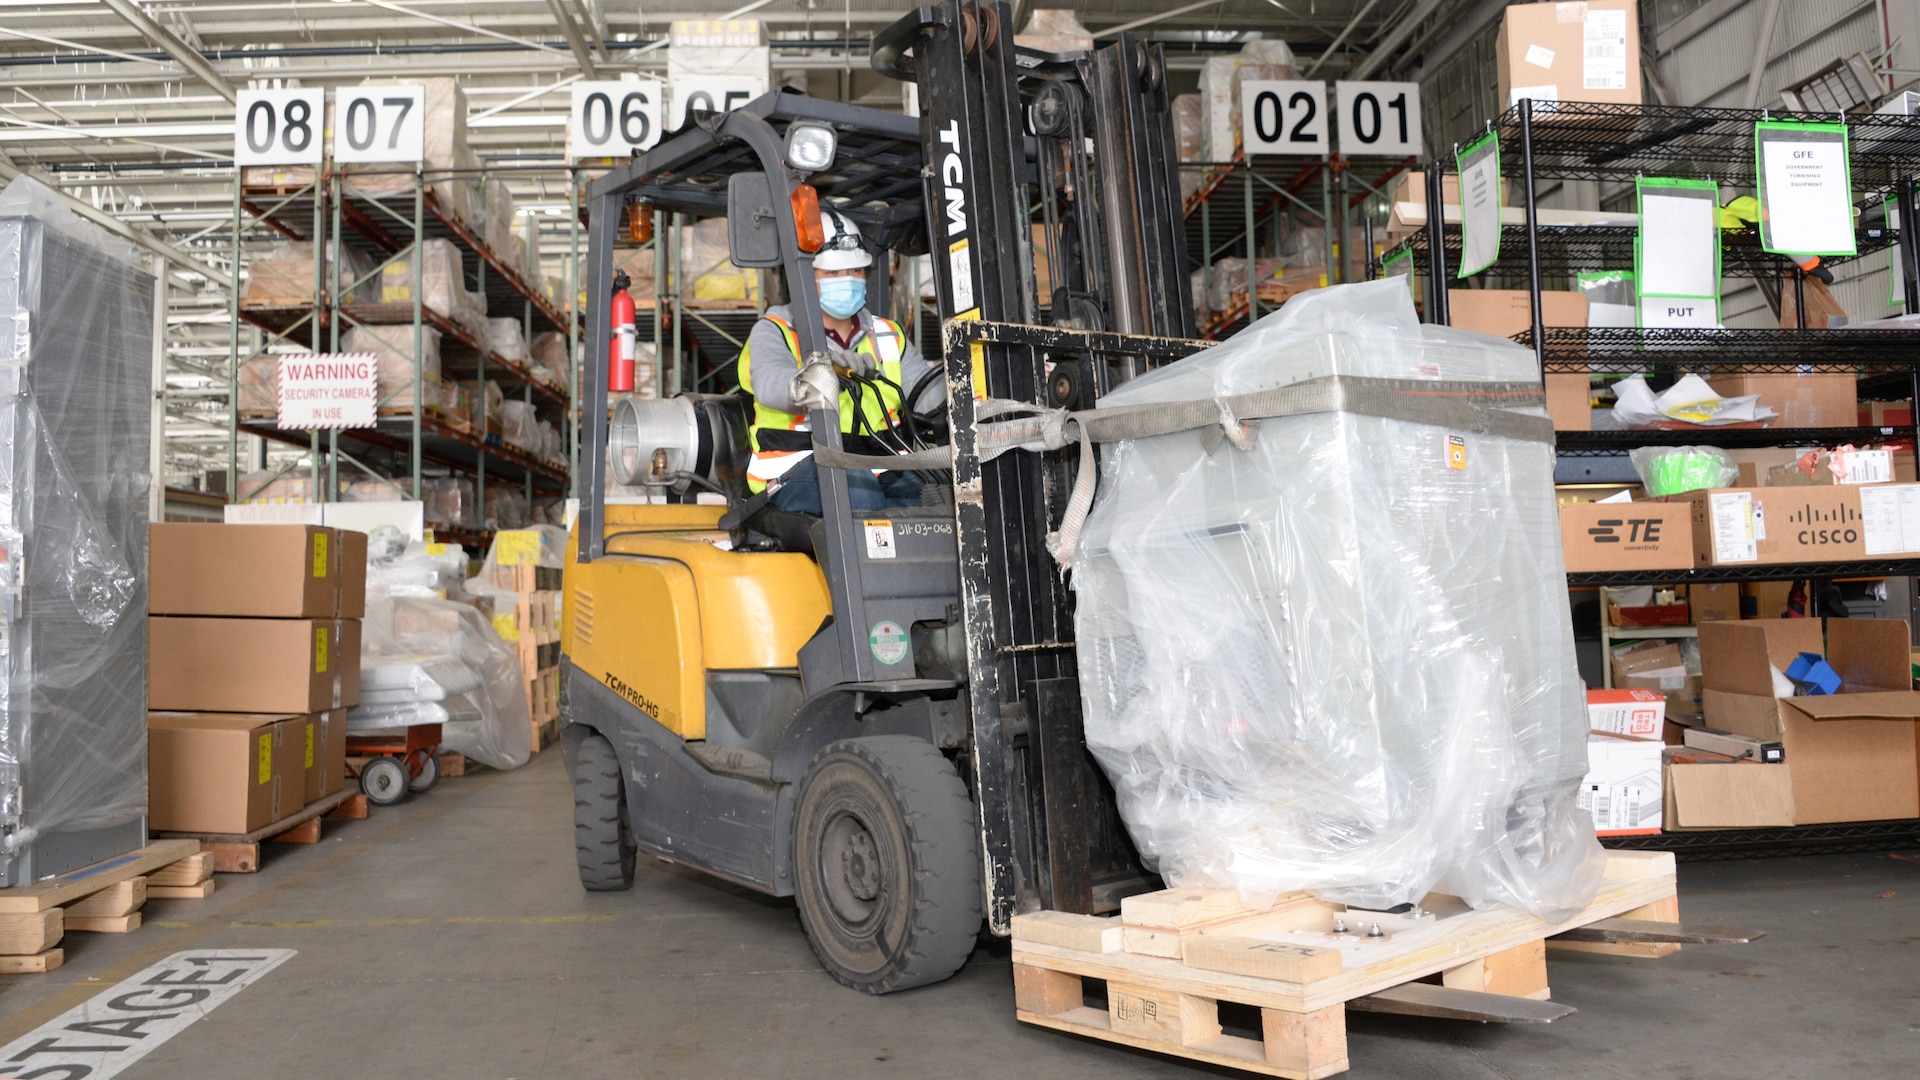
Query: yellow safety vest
(775, 436)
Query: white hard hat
(843, 250)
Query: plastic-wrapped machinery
(1337, 656)
(76, 356)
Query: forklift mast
(1004, 130)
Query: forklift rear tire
(887, 863)
(602, 844)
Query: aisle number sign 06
(613, 119)
(379, 123)
(279, 127)
(1379, 118)
(1283, 117)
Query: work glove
(815, 386)
(859, 363)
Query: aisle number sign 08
(279, 127)
(1283, 117)
(379, 124)
(613, 119)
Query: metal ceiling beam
(171, 44)
(1345, 32)
(1159, 17)
(146, 240)
(1394, 39)
(576, 41)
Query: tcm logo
(952, 174)
(1639, 530)
(1829, 527)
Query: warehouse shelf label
(279, 127)
(1678, 253)
(328, 390)
(613, 119)
(1284, 116)
(1379, 117)
(379, 124)
(1479, 166)
(1806, 199)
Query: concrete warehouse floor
(448, 937)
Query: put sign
(328, 390)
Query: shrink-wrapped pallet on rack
(519, 587)
(392, 347)
(1335, 653)
(284, 275)
(446, 163)
(518, 427)
(706, 265)
(506, 339)
(441, 285)
(1220, 79)
(449, 502)
(505, 508)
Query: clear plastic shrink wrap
(1340, 659)
(427, 656)
(76, 355)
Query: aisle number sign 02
(1283, 117)
(1379, 117)
(379, 123)
(712, 93)
(279, 127)
(613, 119)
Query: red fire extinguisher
(620, 349)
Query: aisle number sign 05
(712, 93)
(1379, 117)
(1283, 117)
(379, 123)
(279, 127)
(613, 119)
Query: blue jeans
(800, 490)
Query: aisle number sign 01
(1283, 117)
(711, 93)
(379, 124)
(613, 119)
(1379, 117)
(1805, 188)
(279, 127)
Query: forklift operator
(876, 367)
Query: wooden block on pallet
(1309, 1045)
(24, 933)
(38, 963)
(1165, 1016)
(353, 808)
(91, 879)
(106, 924)
(1262, 957)
(235, 858)
(307, 832)
(1517, 972)
(120, 898)
(189, 871)
(1088, 933)
(1665, 910)
(1039, 990)
(183, 892)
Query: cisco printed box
(1847, 523)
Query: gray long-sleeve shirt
(773, 364)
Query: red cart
(397, 764)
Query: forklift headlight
(810, 147)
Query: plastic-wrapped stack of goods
(519, 585)
(549, 444)
(549, 357)
(254, 638)
(370, 489)
(1220, 80)
(1055, 30)
(284, 275)
(392, 346)
(518, 427)
(495, 397)
(430, 657)
(506, 508)
(550, 511)
(442, 287)
(448, 164)
(1186, 132)
(505, 338)
(448, 502)
(498, 227)
(706, 265)
(456, 403)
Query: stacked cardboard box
(533, 625)
(254, 658)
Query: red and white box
(1637, 714)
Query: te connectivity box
(1627, 536)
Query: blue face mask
(841, 297)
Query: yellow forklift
(877, 712)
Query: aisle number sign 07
(613, 119)
(279, 127)
(1283, 117)
(379, 124)
(1381, 118)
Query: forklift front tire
(887, 863)
(602, 844)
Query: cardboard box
(1886, 414)
(272, 571)
(1764, 599)
(1682, 693)
(1815, 399)
(1636, 713)
(1844, 523)
(252, 665)
(1734, 746)
(353, 574)
(1569, 52)
(324, 753)
(222, 772)
(1506, 312)
(1713, 603)
(1646, 658)
(1570, 402)
(1627, 536)
(1853, 754)
(1622, 786)
(1712, 791)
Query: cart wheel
(429, 775)
(384, 780)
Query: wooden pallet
(1171, 959)
(103, 898)
(456, 764)
(545, 734)
(239, 853)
